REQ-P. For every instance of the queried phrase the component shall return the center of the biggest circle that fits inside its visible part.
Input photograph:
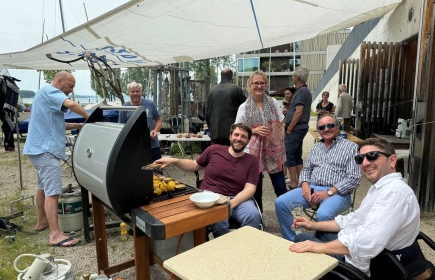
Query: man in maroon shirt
(228, 171)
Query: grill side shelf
(148, 224)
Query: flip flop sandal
(60, 243)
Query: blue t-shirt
(46, 133)
(302, 97)
(152, 115)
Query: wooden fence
(381, 98)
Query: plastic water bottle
(124, 236)
(341, 121)
(342, 133)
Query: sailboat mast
(63, 31)
(61, 16)
(42, 41)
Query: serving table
(248, 253)
(173, 137)
(159, 221)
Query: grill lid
(108, 159)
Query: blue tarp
(71, 117)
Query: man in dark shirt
(296, 120)
(228, 171)
(221, 109)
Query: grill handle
(119, 108)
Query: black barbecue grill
(108, 160)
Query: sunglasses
(258, 84)
(329, 126)
(371, 156)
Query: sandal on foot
(60, 243)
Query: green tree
(212, 67)
(103, 89)
(49, 74)
(203, 68)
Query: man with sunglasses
(330, 171)
(388, 217)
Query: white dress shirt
(389, 217)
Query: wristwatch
(330, 193)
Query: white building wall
(393, 27)
(331, 52)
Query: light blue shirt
(46, 133)
(152, 115)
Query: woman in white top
(263, 114)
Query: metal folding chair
(69, 146)
(232, 222)
(312, 213)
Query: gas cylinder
(69, 209)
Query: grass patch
(24, 244)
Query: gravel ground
(83, 257)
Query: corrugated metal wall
(313, 80)
(314, 62)
(320, 43)
(317, 62)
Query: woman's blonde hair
(259, 73)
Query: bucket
(69, 209)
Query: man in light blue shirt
(153, 117)
(45, 146)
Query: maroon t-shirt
(226, 174)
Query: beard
(236, 149)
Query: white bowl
(204, 199)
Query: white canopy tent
(157, 32)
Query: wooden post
(142, 253)
(424, 58)
(100, 233)
(421, 177)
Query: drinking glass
(296, 210)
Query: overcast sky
(21, 22)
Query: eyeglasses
(328, 125)
(371, 156)
(258, 84)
